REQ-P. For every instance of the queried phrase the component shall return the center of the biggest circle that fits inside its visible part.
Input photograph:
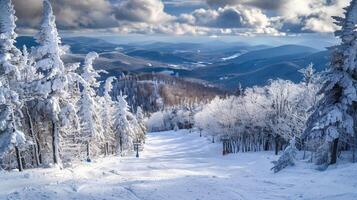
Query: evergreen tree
(55, 81)
(124, 133)
(287, 158)
(11, 135)
(308, 73)
(334, 120)
(107, 114)
(91, 125)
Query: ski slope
(181, 166)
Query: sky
(172, 18)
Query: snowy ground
(182, 166)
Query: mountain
(159, 56)
(259, 72)
(274, 52)
(78, 45)
(219, 63)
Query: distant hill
(274, 52)
(219, 63)
(145, 89)
(79, 45)
(159, 56)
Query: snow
(179, 166)
(231, 57)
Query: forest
(51, 112)
(54, 113)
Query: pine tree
(11, 135)
(124, 133)
(107, 114)
(287, 158)
(141, 120)
(54, 84)
(334, 120)
(91, 125)
(308, 73)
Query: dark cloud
(70, 14)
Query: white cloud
(247, 19)
(214, 17)
(150, 11)
(295, 15)
(312, 15)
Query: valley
(225, 65)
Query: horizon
(317, 40)
(305, 22)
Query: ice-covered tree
(285, 122)
(107, 112)
(308, 73)
(54, 84)
(89, 110)
(11, 134)
(141, 120)
(333, 121)
(124, 133)
(287, 158)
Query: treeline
(262, 118)
(318, 115)
(155, 91)
(50, 111)
(259, 118)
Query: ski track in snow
(181, 166)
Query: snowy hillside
(182, 166)
(76, 113)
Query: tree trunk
(334, 151)
(88, 151)
(35, 140)
(55, 141)
(276, 145)
(106, 149)
(19, 161)
(121, 145)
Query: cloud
(311, 15)
(69, 14)
(196, 17)
(150, 11)
(231, 17)
(295, 15)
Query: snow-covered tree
(124, 133)
(333, 121)
(89, 110)
(308, 73)
(107, 112)
(287, 158)
(11, 134)
(141, 121)
(54, 84)
(285, 122)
